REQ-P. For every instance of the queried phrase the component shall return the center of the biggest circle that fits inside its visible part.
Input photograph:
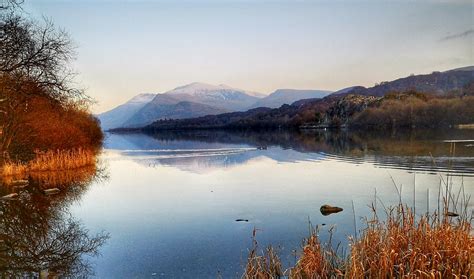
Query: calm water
(169, 201)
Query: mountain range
(201, 99)
(437, 83)
(288, 96)
(448, 106)
(195, 100)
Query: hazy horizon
(130, 47)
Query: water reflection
(38, 235)
(197, 151)
(184, 204)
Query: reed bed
(262, 266)
(402, 244)
(399, 247)
(403, 247)
(52, 161)
(317, 260)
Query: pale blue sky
(129, 47)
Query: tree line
(408, 109)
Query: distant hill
(288, 96)
(192, 100)
(261, 117)
(446, 95)
(347, 89)
(169, 110)
(467, 68)
(219, 96)
(339, 92)
(198, 98)
(201, 99)
(401, 110)
(437, 83)
(116, 117)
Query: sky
(124, 48)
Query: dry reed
(401, 245)
(263, 265)
(317, 260)
(51, 161)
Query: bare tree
(34, 59)
(10, 4)
(37, 52)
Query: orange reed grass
(404, 247)
(317, 260)
(401, 246)
(51, 161)
(264, 265)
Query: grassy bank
(395, 244)
(51, 161)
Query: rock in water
(51, 191)
(327, 209)
(451, 214)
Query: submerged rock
(51, 191)
(241, 220)
(327, 209)
(452, 214)
(10, 196)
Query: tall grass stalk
(262, 265)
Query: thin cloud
(458, 35)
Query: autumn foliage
(412, 109)
(41, 111)
(41, 123)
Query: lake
(169, 201)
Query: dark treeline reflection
(38, 235)
(428, 150)
(403, 142)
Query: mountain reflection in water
(184, 204)
(39, 238)
(417, 150)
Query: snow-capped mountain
(116, 117)
(194, 100)
(165, 106)
(288, 96)
(203, 89)
(221, 96)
